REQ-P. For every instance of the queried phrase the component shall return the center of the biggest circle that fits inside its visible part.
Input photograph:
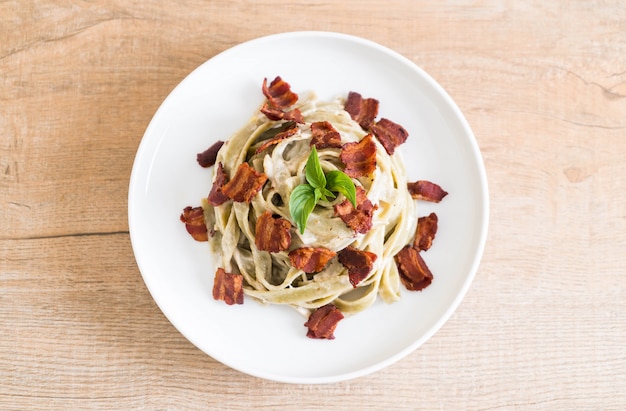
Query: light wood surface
(543, 86)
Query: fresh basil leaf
(301, 204)
(339, 182)
(304, 197)
(327, 194)
(314, 173)
(319, 195)
(324, 194)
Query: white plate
(213, 102)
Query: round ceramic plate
(217, 99)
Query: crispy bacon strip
(414, 272)
(277, 114)
(363, 111)
(207, 157)
(272, 234)
(193, 217)
(359, 157)
(245, 184)
(279, 93)
(323, 321)
(390, 134)
(272, 113)
(228, 287)
(359, 219)
(278, 138)
(324, 135)
(311, 259)
(216, 197)
(294, 115)
(358, 262)
(426, 190)
(425, 233)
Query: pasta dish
(310, 207)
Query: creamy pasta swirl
(270, 277)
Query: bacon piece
(359, 219)
(426, 190)
(207, 157)
(228, 287)
(425, 233)
(279, 97)
(414, 272)
(193, 217)
(390, 134)
(216, 197)
(278, 138)
(272, 113)
(245, 184)
(323, 321)
(272, 234)
(324, 135)
(363, 111)
(279, 93)
(358, 262)
(310, 259)
(294, 115)
(277, 114)
(359, 157)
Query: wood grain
(543, 85)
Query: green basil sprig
(319, 186)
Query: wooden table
(543, 85)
